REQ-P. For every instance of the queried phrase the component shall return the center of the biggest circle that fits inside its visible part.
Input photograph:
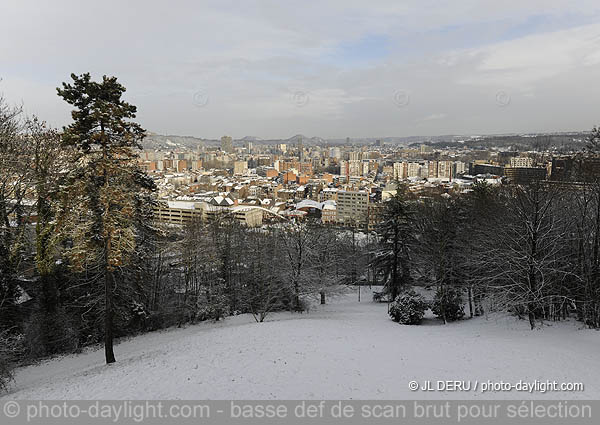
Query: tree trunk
(109, 353)
(322, 297)
(443, 303)
(531, 317)
(470, 294)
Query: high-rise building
(521, 162)
(182, 165)
(400, 170)
(354, 156)
(445, 169)
(459, 168)
(240, 167)
(300, 149)
(366, 167)
(351, 168)
(414, 169)
(354, 168)
(344, 169)
(433, 170)
(352, 207)
(226, 144)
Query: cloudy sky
(338, 68)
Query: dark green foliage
(99, 106)
(108, 190)
(408, 308)
(448, 304)
(396, 235)
(46, 334)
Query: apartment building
(328, 194)
(240, 167)
(400, 170)
(521, 162)
(182, 212)
(329, 214)
(444, 169)
(352, 207)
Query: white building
(521, 162)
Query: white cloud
(251, 57)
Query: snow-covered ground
(343, 350)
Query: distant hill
(165, 142)
(518, 142)
(521, 142)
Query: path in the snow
(344, 350)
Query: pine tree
(439, 254)
(105, 186)
(396, 234)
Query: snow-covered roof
(183, 205)
(309, 203)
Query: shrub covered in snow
(408, 308)
(215, 310)
(448, 304)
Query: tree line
(533, 249)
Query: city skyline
(268, 69)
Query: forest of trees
(533, 250)
(82, 261)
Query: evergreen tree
(105, 185)
(15, 182)
(408, 308)
(396, 234)
(48, 328)
(440, 256)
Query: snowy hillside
(346, 350)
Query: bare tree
(518, 255)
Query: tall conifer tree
(105, 187)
